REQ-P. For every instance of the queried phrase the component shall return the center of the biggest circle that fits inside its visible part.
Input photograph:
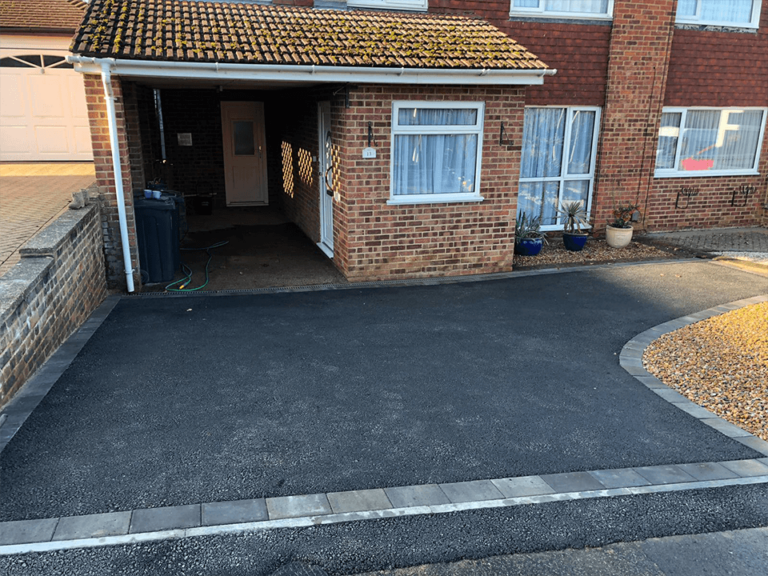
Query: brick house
(405, 143)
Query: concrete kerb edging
(52, 534)
(631, 359)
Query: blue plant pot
(574, 242)
(528, 246)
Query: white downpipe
(106, 78)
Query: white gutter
(106, 78)
(308, 73)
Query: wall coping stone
(19, 281)
(49, 240)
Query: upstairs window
(391, 4)
(709, 142)
(563, 8)
(736, 13)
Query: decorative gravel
(595, 252)
(721, 364)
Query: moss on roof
(177, 30)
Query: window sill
(703, 174)
(561, 228)
(593, 19)
(715, 26)
(433, 199)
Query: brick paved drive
(31, 197)
(748, 243)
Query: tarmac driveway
(212, 398)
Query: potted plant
(575, 216)
(528, 235)
(618, 232)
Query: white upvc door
(326, 178)
(245, 157)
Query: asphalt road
(386, 544)
(186, 400)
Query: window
(564, 8)
(34, 61)
(736, 13)
(709, 142)
(436, 152)
(392, 4)
(558, 161)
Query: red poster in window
(693, 164)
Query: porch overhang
(310, 74)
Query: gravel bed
(721, 364)
(595, 252)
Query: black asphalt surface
(385, 544)
(187, 400)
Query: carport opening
(245, 164)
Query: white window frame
(696, 19)
(427, 130)
(539, 12)
(416, 5)
(677, 173)
(564, 176)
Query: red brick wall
(377, 241)
(579, 52)
(105, 178)
(719, 68)
(640, 45)
(292, 143)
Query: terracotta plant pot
(618, 237)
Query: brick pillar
(135, 153)
(637, 74)
(105, 178)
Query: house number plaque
(369, 153)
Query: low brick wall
(57, 284)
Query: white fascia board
(304, 73)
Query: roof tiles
(177, 30)
(41, 15)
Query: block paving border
(153, 524)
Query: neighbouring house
(403, 136)
(43, 115)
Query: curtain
(435, 163)
(580, 145)
(668, 134)
(715, 140)
(539, 199)
(543, 135)
(584, 6)
(725, 11)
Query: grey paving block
(652, 382)
(664, 474)
(725, 427)
(670, 395)
(424, 495)
(474, 491)
(619, 478)
(747, 468)
(573, 482)
(235, 512)
(298, 506)
(522, 486)
(693, 409)
(636, 370)
(93, 526)
(170, 518)
(763, 460)
(707, 471)
(359, 501)
(630, 358)
(755, 443)
(26, 531)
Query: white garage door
(43, 115)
